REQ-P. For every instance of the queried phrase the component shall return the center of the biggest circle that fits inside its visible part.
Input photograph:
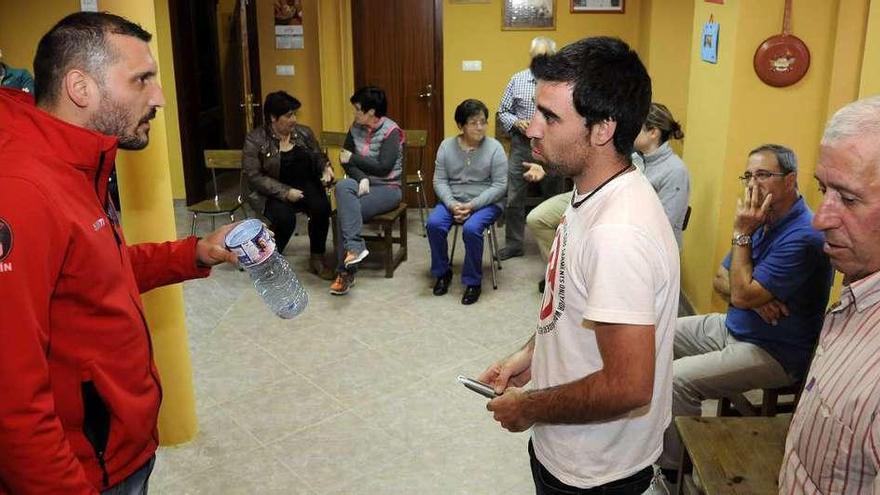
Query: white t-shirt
(614, 260)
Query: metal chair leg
(192, 229)
(492, 256)
(496, 260)
(420, 194)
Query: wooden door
(250, 101)
(398, 46)
(217, 81)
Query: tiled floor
(358, 394)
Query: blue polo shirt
(788, 261)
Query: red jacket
(79, 391)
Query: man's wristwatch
(741, 240)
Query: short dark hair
(467, 109)
(277, 104)
(785, 157)
(370, 98)
(609, 83)
(78, 41)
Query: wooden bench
(386, 239)
(731, 455)
(740, 405)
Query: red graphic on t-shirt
(551, 289)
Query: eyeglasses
(477, 123)
(760, 176)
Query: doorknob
(427, 93)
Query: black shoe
(471, 294)
(541, 285)
(442, 284)
(506, 253)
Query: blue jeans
(439, 224)
(136, 484)
(547, 484)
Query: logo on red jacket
(5, 239)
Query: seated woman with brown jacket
(286, 173)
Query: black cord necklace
(600, 186)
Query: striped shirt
(518, 102)
(833, 445)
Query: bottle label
(250, 242)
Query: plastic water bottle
(273, 278)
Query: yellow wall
(305, 85)
(473, 32)
(710, 88)
(870, 80)
(169, 113)
(337, 77)
(22, 27)
(665, 47)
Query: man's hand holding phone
(515, 370)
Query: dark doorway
(407, 62)
(217, 79)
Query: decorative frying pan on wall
(782, 59)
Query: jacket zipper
(105, 476)
(113, 226)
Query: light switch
(284, 70)
(472, 65)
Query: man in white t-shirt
(601, 359)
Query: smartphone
(479, 387)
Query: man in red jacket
(79, 391)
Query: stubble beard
(114, 119)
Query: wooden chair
(218, 206)
(332, 139)
(740, 405)
(493, 249)
(417, 140)
(385, 237)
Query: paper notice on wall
(289, 34)
(88, 5)
(285, 42)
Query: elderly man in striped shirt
(833, 444)
(515, 112)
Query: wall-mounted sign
(709, 42)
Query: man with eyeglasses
(776, 280)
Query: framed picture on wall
(528, 14)
(597, 6)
